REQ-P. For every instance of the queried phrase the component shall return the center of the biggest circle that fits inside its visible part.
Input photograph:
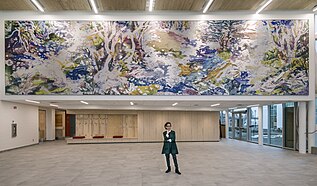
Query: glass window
(254, 130)
(265, 125)
(244, 126)
(236, 125)
(230, 124)
(316, 111)
(276, 125)
(289, 104)
(222, 117)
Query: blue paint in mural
(76, 73)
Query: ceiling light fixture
(151, 5)
(174, 104)
(93, 6)
(315, 9)
(217, 104)
(208, 6)
(253, 105)
(240, 110)
(54, 105)
(263, 6)
(31, 101)
(131, 103)
(84, 102)
(38, 5)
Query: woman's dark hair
(167, 124)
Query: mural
(217, 57)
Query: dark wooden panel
(121, 5)
(193, 5)
(62, 5)
(225, 5)
(16, 5)
(292, 5)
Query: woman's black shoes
(176, 171)
(168, 170)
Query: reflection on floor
(228, 162)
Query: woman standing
(170, 147)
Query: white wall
(26, 117)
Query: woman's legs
(175, 164)
(167, 156)
(168, 163)
(175, 161)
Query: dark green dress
(169, 147)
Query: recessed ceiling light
(217, 104)
(174, 104)
(93, 6)
(84, 102)
(131, 103)
(263, 6)
(38, 5)
(208, 6)
(31, 101)
(315, 9)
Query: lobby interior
(86, 87)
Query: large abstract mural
(216, 57)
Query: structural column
(302, 127)
(260, 125)
(227, 123)
(311, 125)
(50, 124)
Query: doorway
(70, 128)
(42, 125)
(240, 124)
(289, 125)
(59, 124)
(279, 121)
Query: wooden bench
(98, 137)
(78, 137)
(117, 136)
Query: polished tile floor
(228, 162)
